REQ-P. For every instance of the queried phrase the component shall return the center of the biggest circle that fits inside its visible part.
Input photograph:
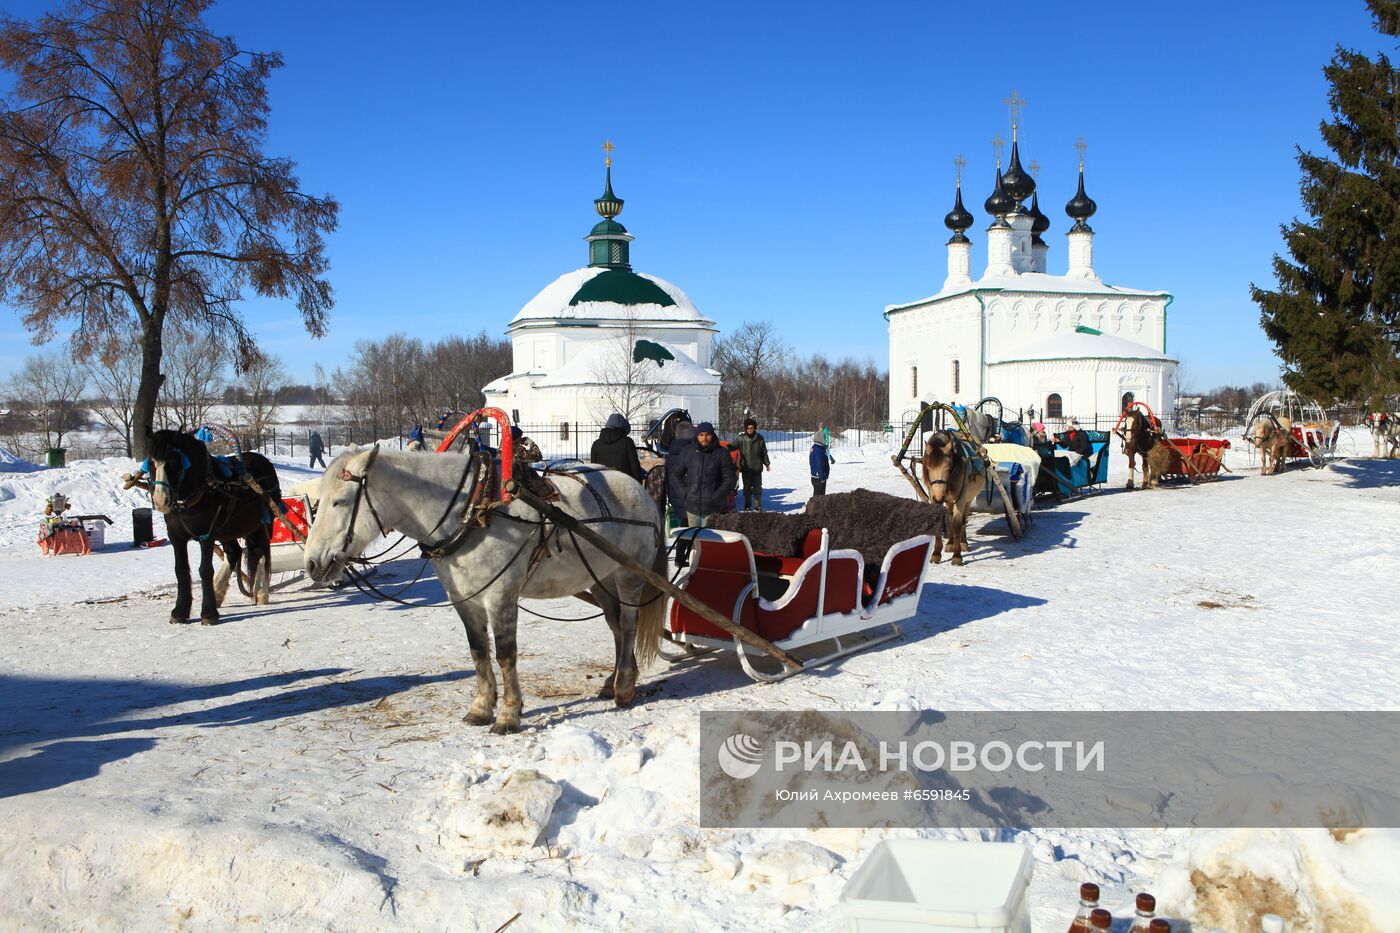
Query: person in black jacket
(705, 476)
(1076, 440)
(614, 448)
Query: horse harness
(231, 487)
(962, 451)
(479, 510)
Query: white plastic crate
(940, 886)
(96, 530)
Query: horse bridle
(178, 504)
(361, 492)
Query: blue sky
(790, 162)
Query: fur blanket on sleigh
(864, 521)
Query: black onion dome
(1081, 207)
(1039, 222)
(958, 219)
(1017, 181)
(999, 203)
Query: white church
(1065, 345)
(576, 351)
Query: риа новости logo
(740, 756)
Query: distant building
(1064, 345)
(576, 352)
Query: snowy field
(304, 765)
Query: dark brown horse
(203, 502)
(952, 476)
(1139, 435)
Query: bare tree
(133, 186)
(744, 359)
(324, 404)
(53, 387)
(196, 370)
(456, 369)
(628, 385)
(256, 394)
(115, 378)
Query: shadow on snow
(71, 728)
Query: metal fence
(556, 441)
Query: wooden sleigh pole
(899, 459)
(566, 521)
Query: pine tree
(1335, 318)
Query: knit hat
(750, 421)
(1073, 423)
(819, 438)
(1038, 426)
(616, 420)
(704, 427)
(515, 432)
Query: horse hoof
(503, 728)
(957, 562)
(624, 699)
(179, 620)
(481, 719)
(605, 692)
(210, 620)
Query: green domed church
(606, 339)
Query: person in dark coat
(1076, 440)
(684, 439)
(706, 476)
(753, 460)
(819, 459)
(318, 450)
(614, 448)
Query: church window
(914, 381)
(1128, 399)
(957, 377)
(1054, 406)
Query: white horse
(487, 570)
(1385, 433)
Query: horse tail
(651, 618)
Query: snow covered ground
(305, 765)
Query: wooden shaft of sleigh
(569, 523)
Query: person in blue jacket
(820, 460)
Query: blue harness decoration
(969, 453)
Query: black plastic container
(141, 527)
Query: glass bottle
(1146, 909)
(1088, 900)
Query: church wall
(930, 339)
(1015, 320)
(1086, 387)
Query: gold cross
(997, 143)
(958, 164)
(1015, 102)
(608, 148)
(1035, 169)
(1081, 145)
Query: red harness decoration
(506, 461)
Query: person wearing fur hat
(1076, 440)
(705, 476)
(820, 460)
(614, 448)
(753, 460)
